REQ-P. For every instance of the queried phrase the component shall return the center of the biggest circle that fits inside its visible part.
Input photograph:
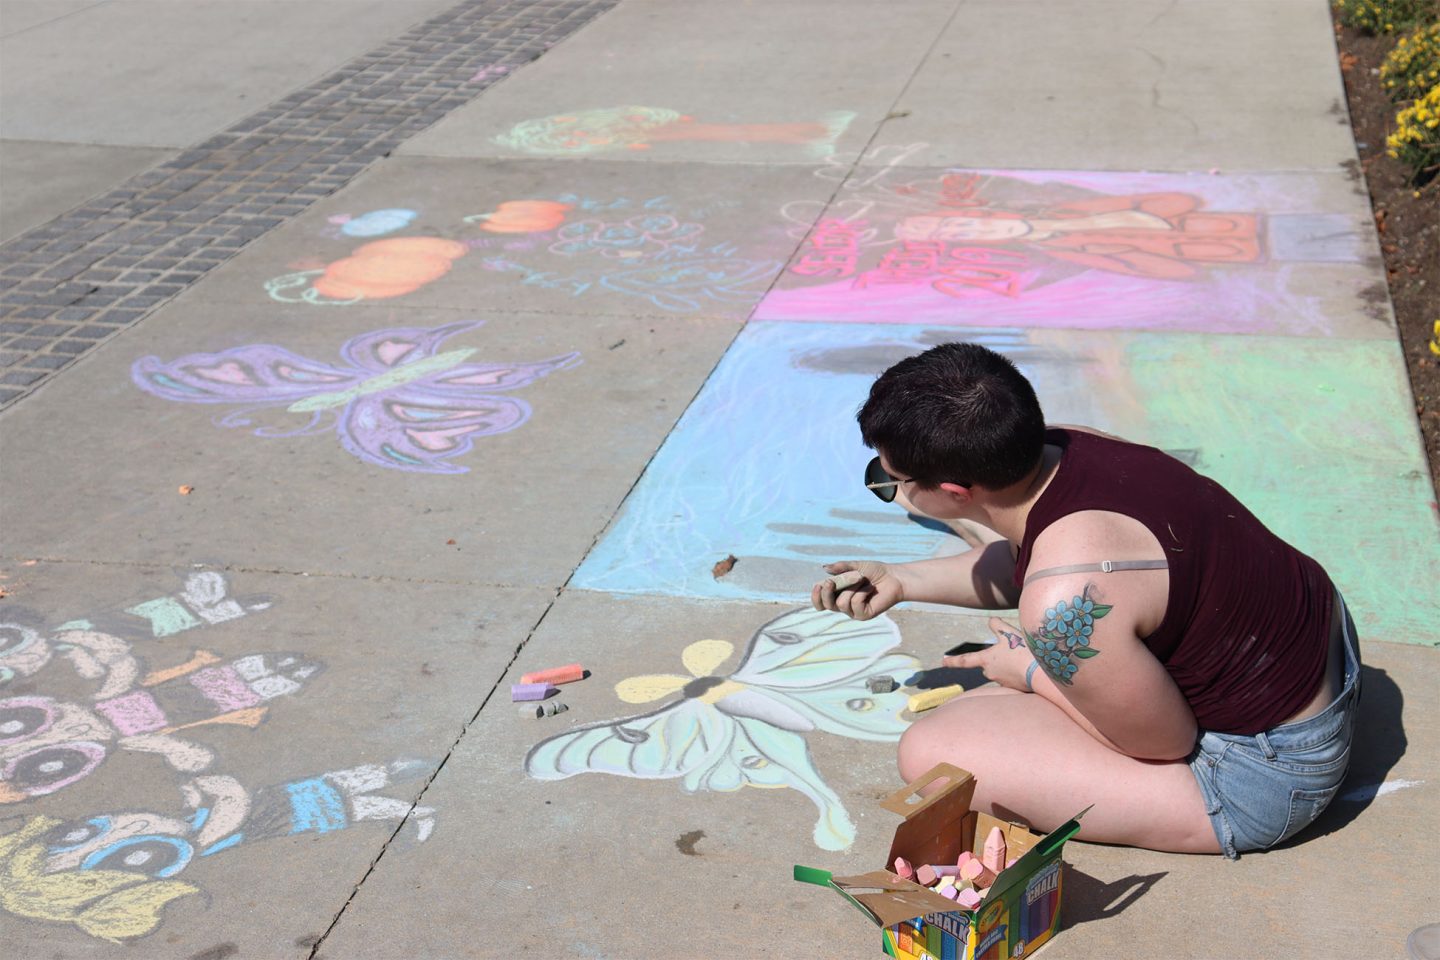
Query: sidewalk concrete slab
(17, 16)
(43, 180)
(372, 441)
(764, 83)
(765, 465)
(622, 240)
(128, 74)
(198, 748)
(1254, 253)
(678, 858)
(702, 867)
(1128, 85)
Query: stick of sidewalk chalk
(903, 869)
(566, 674)
(994, 855)
(530, 691)
(881, 684)
(930, 699)
(844, 581)
(968, 899)
(931, 872)
(538, 710)
(976, 872)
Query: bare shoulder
(1088, 539)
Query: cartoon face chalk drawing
(396, 402)
(640, 128)
(803, 671)
(112, 874)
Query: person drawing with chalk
(1174, 663)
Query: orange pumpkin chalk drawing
(375, 271)
(523, 216)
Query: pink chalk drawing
(396, 402)
(1100, 250)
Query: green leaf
(1100, 610)
(1084, 653)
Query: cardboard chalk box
(1019, 913)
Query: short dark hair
(958, 413)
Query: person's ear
(958, 491)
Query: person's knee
(914, 754)
(926, 743)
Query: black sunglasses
(879, 481)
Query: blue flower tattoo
(1064, 636)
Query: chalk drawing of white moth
(802, 671)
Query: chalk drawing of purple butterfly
(803, 671)
(395, 403)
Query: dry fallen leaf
(4, 593)
(186, 490)
(449, 543)
(29, 563)
(723, 567)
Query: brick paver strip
(75, 281)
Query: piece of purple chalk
(530, 691)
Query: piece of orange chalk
(565, 674)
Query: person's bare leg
(1031, 762)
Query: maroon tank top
(1247, 625)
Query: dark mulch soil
(1408, 220)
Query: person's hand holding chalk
(860, 589)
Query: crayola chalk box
(1020, 912)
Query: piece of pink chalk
(968, 899)
(994, 855)
(530, 691)
(950, 893)
(934, 871)
(977, 873)
(566, 674)
(903, 869)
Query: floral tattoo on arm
(1064, 637)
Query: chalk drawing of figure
(640, 128)
(396, 402)
(803, 671)
(1164, 236)
(25, 651)
(112, 874)
(47, 744)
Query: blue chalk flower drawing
(1064, 636)
(802, 671)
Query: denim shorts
(1261, 789)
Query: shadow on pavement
(1379, 744)
(1087, 898)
